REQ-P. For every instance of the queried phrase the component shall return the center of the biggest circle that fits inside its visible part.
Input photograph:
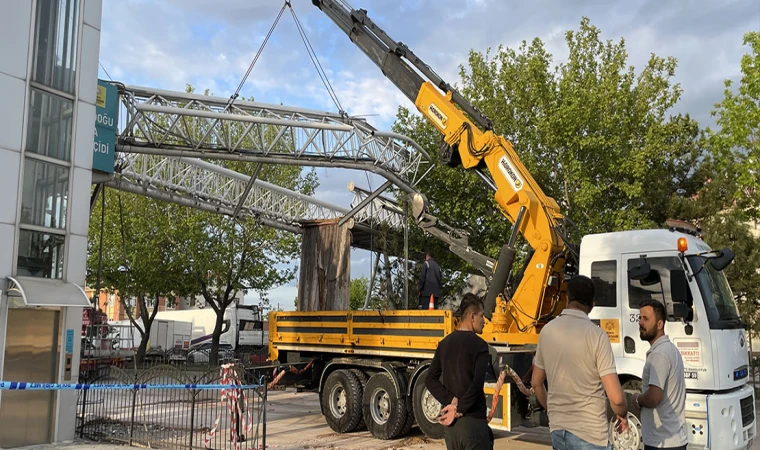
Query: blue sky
(169, 43)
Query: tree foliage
(727, 205)
(593, 132)
(598, 136)
(358, 292)
(139, 259)
(738, 136)
(200, 253)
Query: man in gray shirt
(663, 400)
(575, 357)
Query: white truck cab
(703, 322)
(250, 327)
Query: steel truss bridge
(168, 139)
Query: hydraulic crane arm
(378, 46)
(533, 214)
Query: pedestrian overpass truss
(167, 141)
(191, 125)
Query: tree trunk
(142, 349)
(147, 320)
(213, 357)
(325, 283)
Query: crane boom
(515, 315)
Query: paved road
(295, 423)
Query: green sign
(107, 117)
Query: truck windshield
(719, 301)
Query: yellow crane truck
(370, 366)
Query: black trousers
(468, 433)
(648, 447)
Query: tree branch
(206, 295)
(128, 310)
(155, 307)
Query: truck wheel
(633, 439)
(385, 413)
(363, 381)
(426, 409)
(342, 401)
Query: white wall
(16, 42)
(15, 33)
(79, 202)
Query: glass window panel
(40, 254)
(604, 276)
(50, 125)
(657, 285)
(45, 194)
(55, 44)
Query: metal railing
(165, 407)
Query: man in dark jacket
(456, 377)
(430, 282)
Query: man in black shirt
(456, 377)
(430, 282)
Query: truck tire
(385, 414)
(363, 381)
(426, 409)
(630, 387)
(409, 418)
(341, 401)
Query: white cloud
(210, 45)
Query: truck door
(655, 287)
(606, 313)
(658, 287)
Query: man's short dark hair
(581, 289)
(471, 303)
(429, 253)
(658, 307)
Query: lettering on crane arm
(438, 116)
(510, 173)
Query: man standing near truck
(663, 401)
(456, 378)
(430, 282)
(576, 357)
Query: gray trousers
(468, 433)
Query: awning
(46, 292)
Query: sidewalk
(77, 445)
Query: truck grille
(748, 411)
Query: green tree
(728, 230)
(226, 257)
(358, 290)
(199, 253)
(592, 131)
(139, 257)
(728, 200)
(738, 138)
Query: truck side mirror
(640, 271)
(679, 286)
(680, 311)
(724, 258)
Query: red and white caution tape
(231, 397)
